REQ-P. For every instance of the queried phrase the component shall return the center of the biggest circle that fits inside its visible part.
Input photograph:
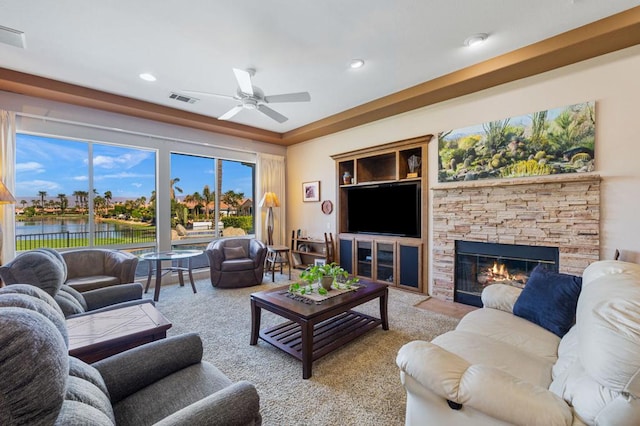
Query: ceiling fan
(252, 97)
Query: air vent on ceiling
(183, 98)
(12, 37)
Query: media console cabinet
(389, 244)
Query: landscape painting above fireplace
(554, 141)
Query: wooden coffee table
(96, 336)
(315, 330)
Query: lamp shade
(5, 195)
(269, 199)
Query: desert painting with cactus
(554, 141)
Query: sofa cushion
(515, 331)
(231, 253)
(549, 299)
(92, 282)
(153, 403)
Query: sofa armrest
(106, 296)
(215, 255)
(121, 264)
(238, 404)
(257, 252)
(500, 296)
(128, 372)
(483, 388)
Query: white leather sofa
(496, 368)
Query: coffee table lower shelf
(328, 335)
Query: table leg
(289, 263)
(383, 309)
(146, 289)
(272, 262)
(156, 291)
(180, 276)
(307, 348)
(193, 285)
(256, 312)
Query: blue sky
(60, 166)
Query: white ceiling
(294, 46)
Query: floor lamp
(5, 198)
(269, 200)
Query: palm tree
(42, 194)
(207, 197)
(108, 196)
(24, 203)
(77, 194)
(233, 199)
(197, 198)
(173, 188)
(63, 202)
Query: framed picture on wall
(311, 191)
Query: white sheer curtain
(8, 176)
(271, 178)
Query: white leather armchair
(497, 368)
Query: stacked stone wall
(562, 211)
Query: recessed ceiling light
(147, 77)
(356, 63)
(476, 39)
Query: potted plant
(326, 274)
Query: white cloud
(127, 160)
(37, 185)
(31, 167)
(80, 178)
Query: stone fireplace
(479, 264)
(560, 211)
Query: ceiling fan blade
(289, 97)
(244, 81)
(233, 111)
(271, 113)
(196, 92)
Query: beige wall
(611, 80)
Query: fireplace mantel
(561, 211)
(573, 177)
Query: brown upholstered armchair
(236, 262)
(89, 269)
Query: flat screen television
(385, 209)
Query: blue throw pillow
(549, 299)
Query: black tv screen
(388, 209)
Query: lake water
(56, 225)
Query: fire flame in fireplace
(498, 273)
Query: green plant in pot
(326, 274)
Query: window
(76, 194)
(209, 195)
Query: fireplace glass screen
(480, 264)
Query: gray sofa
(46, 269)
(163, 383)
(92, 268)
(236, 262)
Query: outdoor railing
(58, 240)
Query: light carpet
(358, 384)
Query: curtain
(8, 176)
(271, 178)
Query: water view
(56, 232)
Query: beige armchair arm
(481, 387)
(500, 296)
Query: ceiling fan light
(356, 63)
(476, 39)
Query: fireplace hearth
(479, 264)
